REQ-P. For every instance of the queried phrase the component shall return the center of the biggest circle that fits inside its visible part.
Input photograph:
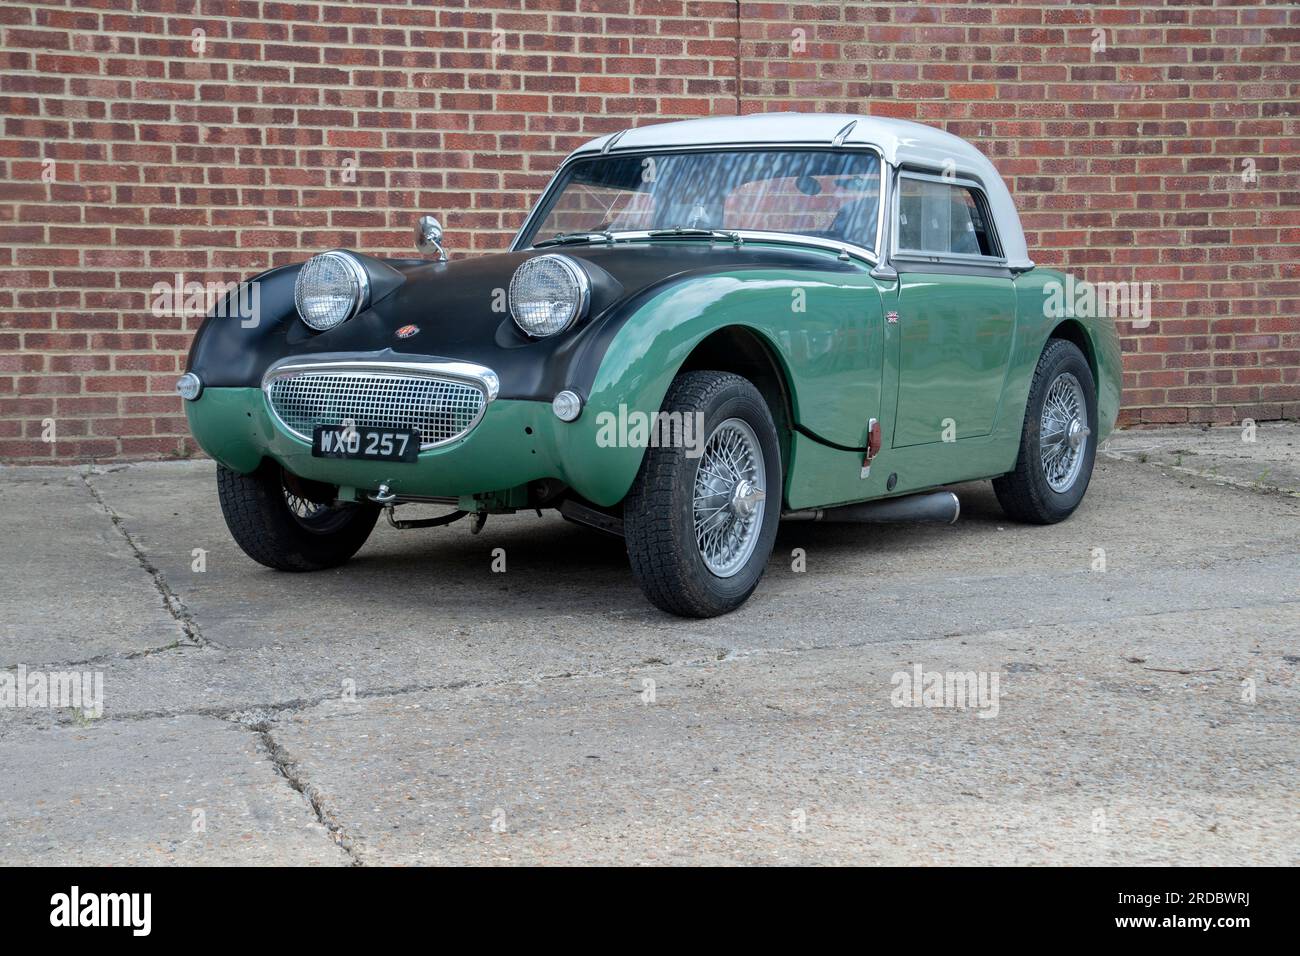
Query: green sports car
(701, 329)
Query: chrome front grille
(442, 409)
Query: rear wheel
(1057, 444)
(700, 522)
(291, 524)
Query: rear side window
(942, 218)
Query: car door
(955, 310)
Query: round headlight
(330, 288)
(548, 294)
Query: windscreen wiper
(693, 232)
(567, 238)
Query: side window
(941, 218)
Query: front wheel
(701, 517)
(291, 524)
(1058, 441)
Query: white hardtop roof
(899, 140)
(901, 143)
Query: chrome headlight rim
(582, 292)
(357, 276)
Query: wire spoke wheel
(289, 523)
(729, 497)
(314, 516)
(1063, 432)
(300, 507)
(713, 492)
(1057, 442)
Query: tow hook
(383, 496)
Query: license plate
(366, 444)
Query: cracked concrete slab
(399, 701)
(71, 587)
(404, 615)
(1257, 457)
(180, 790)
(782, 757)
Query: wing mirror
(428, 237)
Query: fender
(1096, 337)
(830, 355)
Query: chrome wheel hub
(745, 498)
(1076, 433)
(729, 497)
(1063, 432)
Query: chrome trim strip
(723, 147)
(950, 258)
(469, 373)
(754, 235)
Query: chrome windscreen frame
(863, 253)
(380, 364)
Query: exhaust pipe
(941, 507)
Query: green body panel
(955, 335)
(821, 476)
(235, 427)
(1034, 328)
(842, 364)
(831, 352)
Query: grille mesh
(440, 408)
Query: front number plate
(366, 444)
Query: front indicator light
(567, 406)
(189, 386)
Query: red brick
(1125, 164)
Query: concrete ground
(418, 707)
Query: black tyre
(291, 524)
(699, 522)
(1058, 442)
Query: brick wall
(215, 138)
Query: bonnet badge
(406, 331)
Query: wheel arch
(732, 346)
(1074, 332)
(740, 323)
(745, 351)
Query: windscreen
(827, 194)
